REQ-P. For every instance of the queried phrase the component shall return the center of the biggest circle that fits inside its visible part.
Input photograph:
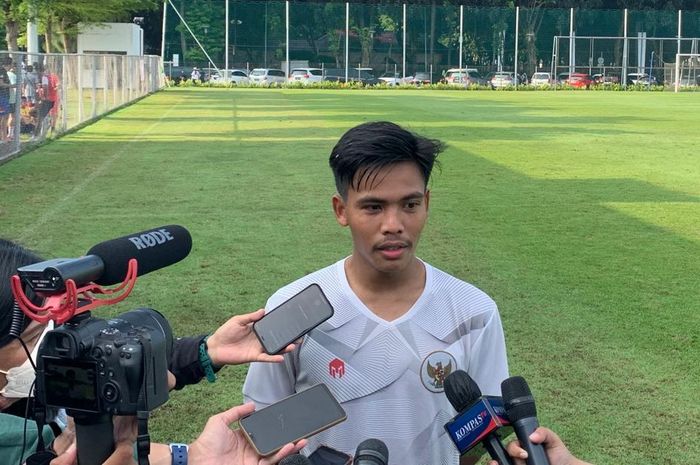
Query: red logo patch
(336, 368)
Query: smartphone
(292, 319)
(325, 455)
(296, 417)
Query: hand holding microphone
(477, 417)
(520, 407)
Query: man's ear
(340, 210)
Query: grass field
(578, 212)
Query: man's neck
(387, 295)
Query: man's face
(386, 216)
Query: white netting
(44, 95)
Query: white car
(541, 79)
(236, 76)
(391, 79)
(463, 77)
(306, 75)
(267, 76)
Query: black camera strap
(143, 440)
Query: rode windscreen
(478, 418)
(371, 452)
(153, 249)
(521, 410)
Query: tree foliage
(60, 19)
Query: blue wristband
(178, 453)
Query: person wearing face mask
(192, 359)
(16, 370)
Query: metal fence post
(93, 113)
(80, 88)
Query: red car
(580, 80)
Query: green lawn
(578, 212)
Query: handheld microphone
(107, 262)
(295, 459)
(478, 417)
(520, 407)
(371, 452)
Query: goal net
(686, 75)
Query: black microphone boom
(371, 452)
(520, 407)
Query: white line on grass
(60, 203)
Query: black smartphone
(296, 417)
(292, 319)
(325, 455)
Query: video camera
(97, 368)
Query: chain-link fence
(390, 37)
(44, 95)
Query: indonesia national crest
(435, 368)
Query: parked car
(306, 75)
(421, 78)
(541, 79)
(605, 79)
(641, 78)
(334, 74)
(267, 76)
(236, 76)
(364, 75)
(580, 80)
(563, 79)
(391, 79)
(463, 77)
(503, 79)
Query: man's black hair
(12, 256)
(364, 150)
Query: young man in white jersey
(400, 325)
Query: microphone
(520, 407)
(295, 459)
(107, 262)
(478, 417)
(153, 249)
(371, 452)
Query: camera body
(115, 367)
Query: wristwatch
(178, 452)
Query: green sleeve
(12, 438)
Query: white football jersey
(388, 375)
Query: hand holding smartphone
(296, 417)
(292, 319)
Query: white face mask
(20, 379)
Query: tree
(13, 15)
(60, 18)
(533, 12)
(388, 24)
